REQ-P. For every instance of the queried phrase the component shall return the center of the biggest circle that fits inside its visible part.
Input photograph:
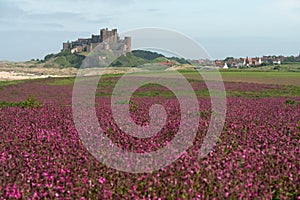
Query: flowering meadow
(256, 157)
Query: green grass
(289, 67)
(107, 81)
(263, 94)
(9, 83)
(130, 60)
(205, 93)
(64, 59)
(256, 74)
(249, 74)
(286, 67)
(62, 81)
(287, 80)
(272, 77)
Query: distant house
(275, 60)
(252, 62)
(278, 62)
(202, 62)
(219, 63)
(76, 49)
(168, 63)
(260, 61)
(225, 66)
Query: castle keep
(106, 37)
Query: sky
(31, 29)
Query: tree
(228, 58)
(117, 64)
(49, 56)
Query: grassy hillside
(138, 58)
(156, 57)
(147, 55)
(63, 59)
(129, 60)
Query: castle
(106, 37)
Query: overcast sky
(33, 28)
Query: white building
(225, 66)
(277, 62)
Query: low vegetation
(30, 102)
(64, 59)
(135, 58)
(138, 58)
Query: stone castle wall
(106, 36)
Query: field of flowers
(256, 157)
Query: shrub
(30, 102)
(290, 102)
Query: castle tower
(128, 44)
(102, 35)
(66, 46)
(114, 35)
(109, 36)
